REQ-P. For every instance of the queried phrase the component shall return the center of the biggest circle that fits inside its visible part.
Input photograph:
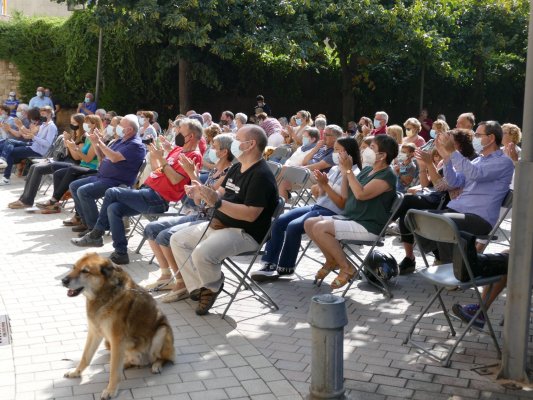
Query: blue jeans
(284, 244)
(85, 192)
(125, 202)
(13, 151)
(162, 229)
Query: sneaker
(3, 163)
(393, 230)
(88, 241)
(466, 312)
(269, 272)
(407, 266)
(283, 271)
(120, 259)
(4, 181)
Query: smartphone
(429, 146)
(148, 141)
(158, 144)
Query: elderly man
(466, 121)
(119, 165)
(40, 100)
(12, 151)
(380, 123)
(166, 183)
(9, 125)
(240, 120)
(244, 205)
(12, 103)
(227, 121)
(88, 106)
(208, 120)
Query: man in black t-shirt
(244, 205)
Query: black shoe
(87, 241)
(268, 273)
(85, 232)
(119, 259)
(407, 266)
(282, 271)
(80, 228)
(195, 295)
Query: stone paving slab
(255, 353)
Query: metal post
(327, 317)
(98, 66)
(517, 310)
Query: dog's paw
(108, 394)
(73, 373)
(157, 367)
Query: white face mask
(369, 157)
(86, 127)
(305, 141)
(19, 115)
(109, 131)
(236, 148)
(141, 121)
(335, 157)
(402, 157)
(213, 156)
(39, 93)
(377, 123)
(120, 131)
(478, 146)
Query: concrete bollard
(327, 317)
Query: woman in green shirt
(370, 196)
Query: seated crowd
(220, 173)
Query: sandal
(323, 272)
(47, 205)
(18, 205)
(175, 295)
(207, 299)
(343, 278)
(163, 283)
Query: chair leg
(424, 311)
(138, 250)
(446, 314)
(303, 253)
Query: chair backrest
(436, 227)
(136, 185)
(281, 154)
(508, 200)
(296, 175)
(280, 206)
(275, 167)
(395, 207)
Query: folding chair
(275, 167)
(360, 262)
(281, 154)
(442, 229)
(298, 177)
(243, 275)
(506, 207)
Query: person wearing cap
(88, 106)
(12, 151)
(119, 165)
(40, 100)
(12, 103)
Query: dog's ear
(107, 269)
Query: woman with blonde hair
(412, 130)
(303, 119)
(512, 136)
(396, 132)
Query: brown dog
(124, 314)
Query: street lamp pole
(517, 310)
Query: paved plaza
(255, 353)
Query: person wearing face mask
(158, 233)
(146, 129)
(119, 164)
(244, 204)
(412, 130)
(62, 160)
(380, 123)
(484, 182)
(165, 184)
(405, 168)
(439, 126)
(12, 151)
(227, 121)
(262, 105)
(7, 123)
(12, 103)
(368, 156)
(84, 162)
(210, 133)
(369, 200)
(310, 138)
(88, 105)
(40, 100)
(302, 120)
(282, 249)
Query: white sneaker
(4, 181)
(3, 163)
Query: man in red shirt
(165, 184)
(380, 123)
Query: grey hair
(241, 117)
(133, 122)
(209, 117)
(336, 129)
(320, 123)
(23, 106)
(194, 126)
(384, 115)
(224, 140)
(101, 113)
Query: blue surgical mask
(433, 133)
(305, 141)
(120, 131)
(213, 156)
(87, 100)
(377, 123)
(39, 93)
(298, 121)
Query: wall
(10, 79)
(37, 8)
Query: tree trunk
(348, 101)
(184, 86)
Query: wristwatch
(349, 171)
(217, 204)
